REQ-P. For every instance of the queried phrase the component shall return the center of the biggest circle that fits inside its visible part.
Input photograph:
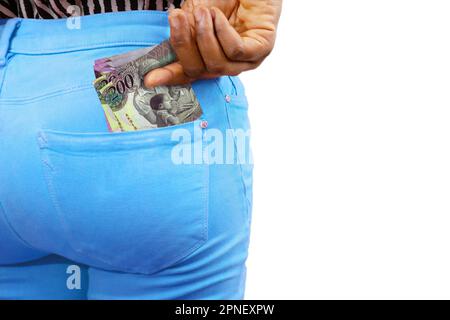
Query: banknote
(103, 65)
(113, 122)
(128, 105)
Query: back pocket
(123, 200)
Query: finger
(236, 68)
(213, 56)
(183, 42)
(172, 74)
(187, 6)
(236, 47)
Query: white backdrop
(351, 140)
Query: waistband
(42, 36)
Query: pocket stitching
(3, 69)
(112, 142)
(200, 242)
(45, 160)
(238, 102)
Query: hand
(213, 38)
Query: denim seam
(82, 47)
(246, 196)
(2, 78)
(21, 101)
(132, 12)
(52, 193)
(10, 227)
(3, 70)
(234, 85)
(198, 244)
(239, 97)
(88, 143)
(241, 169)
(45, 160)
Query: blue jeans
(135, 223)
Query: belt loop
(6, 33)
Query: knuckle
(267, 51)
(236, 52)
(254, 65)
(234, 73)
(204, 33)
(221, 28)
(178, 40)
(200, 33)
(193, 72)
(215, 68)
(268, 47)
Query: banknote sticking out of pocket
(129, 105)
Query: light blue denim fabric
(139, 225)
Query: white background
(351, 139)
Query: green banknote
(113, 122)
(129, 105)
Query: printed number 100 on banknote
(129, 105)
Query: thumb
(171, 74)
